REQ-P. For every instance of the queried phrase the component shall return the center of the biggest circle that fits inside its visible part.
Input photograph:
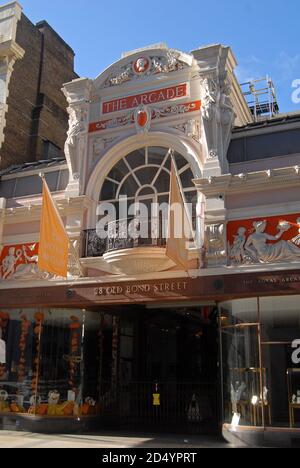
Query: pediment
(143, 64)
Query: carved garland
(158, 64)
(156, 114)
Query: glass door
(241, 364)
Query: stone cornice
(11, 50)
(250, 182)
(30, 210)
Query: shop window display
(49, 362)
(280, 319)
(261, 361)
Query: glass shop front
(261, 362)
(48, 362)
(130, 366)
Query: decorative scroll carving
(100, 144)
(191, 129)
(157, 64)
(157, 113)
(74, 266)
(215, 244)
(213, 154)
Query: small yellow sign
(156, 399)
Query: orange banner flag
(54, 241)
(177, 242)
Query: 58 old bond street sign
(212, 288)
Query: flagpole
(181, 191)
(177, 246)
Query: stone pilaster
(77, 93)
(218, 85)
(9, 52)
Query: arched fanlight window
(145, 173)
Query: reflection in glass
(241, 364)
(47, 367)
(280, 318)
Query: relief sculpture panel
(264, 240)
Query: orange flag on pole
(54, 240)
(177, 242)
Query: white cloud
(288, 66)
(249, 69)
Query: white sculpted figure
(29, 269)
(9, 264)
(296, 240)
(72, 149)
(259, 249)
(19, 264)
(208, 99)
(237, 252)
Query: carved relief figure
(296, 240)
(9, 264)
(267, 253)
(20, 262)
(208, 98)
(72, 150)
(261, 247)
(30, 268)
(237, 251)
(141, 65)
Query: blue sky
(264, 34)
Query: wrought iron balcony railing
(125, 234)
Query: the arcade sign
(152, 97)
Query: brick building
(35, 62)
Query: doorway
(167, 370)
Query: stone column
(10, 51)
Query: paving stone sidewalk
(105, 440)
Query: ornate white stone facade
(108, 121)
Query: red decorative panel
(15, 260)
(265, 239)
